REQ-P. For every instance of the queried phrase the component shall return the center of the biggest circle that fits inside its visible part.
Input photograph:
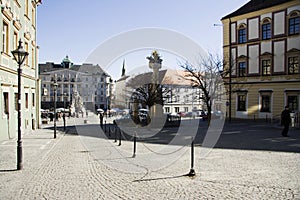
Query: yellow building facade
(261, 48)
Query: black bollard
(134, 145)
(120, 137)
(192, 171)
(116, 129)
(105, 126)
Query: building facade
(89, 81)
(18, 22)
(261, 45)
(180, 95)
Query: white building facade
(18, 22)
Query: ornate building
(261, 44)
(89, 81)
(18, 22)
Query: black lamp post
(55, 88)
(19, 55)
(64, 114)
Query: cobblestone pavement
(67, 168)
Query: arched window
(294, 23)
(242, 34)
(266, 29)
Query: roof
(84, 68)
(255, 5)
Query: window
(266, 30)
(33, 16)
(6, 103)
(26, 100)
(293, 65)
(294, 22)
(266, 67)
(186, 109)
(265, 103)
(15, 45)
(241, 103)
(26, 7)
(26, 48)
(242, 38)
(167, 109)
(242, 69)
(33, 100)
(293, 102)
(5, 40)
(32, 59)
(176, 109)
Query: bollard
(192, 171)
(109, 130)
(115, 131)
(105, 126)
(134, 145)
(120, 137)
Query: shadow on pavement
(245, 135)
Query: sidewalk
(86, 167)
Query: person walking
(285, 121)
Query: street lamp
(19, 55)
(64, 114)
(54, 88)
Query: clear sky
(75, 28)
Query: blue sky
(76, 28)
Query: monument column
(156, 111)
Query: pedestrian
(101, 119)
(285, 121)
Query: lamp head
(20, 54)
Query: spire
(123, 69)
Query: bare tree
(145, 91)
(208, 77)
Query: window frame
(242, 34)
(242, 70)
(267, 66)
(266, 29)
(293, 23)
(241, 103)
(5, 37)
(295, 69)
(265, 104)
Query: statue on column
(156, 111)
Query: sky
(77, 28)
